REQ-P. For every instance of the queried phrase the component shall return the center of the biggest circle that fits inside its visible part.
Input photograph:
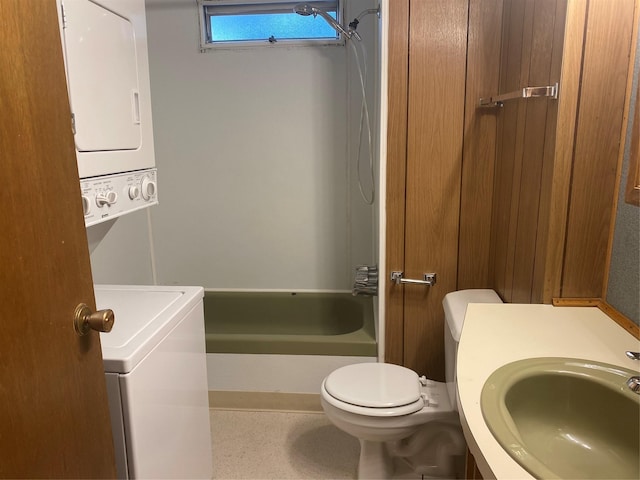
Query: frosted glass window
(269, 22)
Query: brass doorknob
(85, 320)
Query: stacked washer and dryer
(154, 357)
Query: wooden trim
(396, 174)
(615, 315)
(576, 302)
(620, 318)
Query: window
(239, 22)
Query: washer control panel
(111, 196)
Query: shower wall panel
(255, 160)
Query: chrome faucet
(634, 382)
(632, 355)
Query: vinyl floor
(280, 445)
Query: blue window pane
(288, 26)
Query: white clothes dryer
(155, 368)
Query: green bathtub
(289, 323)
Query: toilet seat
(374, 389)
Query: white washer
(155, 368)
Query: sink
(565, 418)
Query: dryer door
(102, 77)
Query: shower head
(305, 10)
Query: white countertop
(496, 334)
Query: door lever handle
(428, 279)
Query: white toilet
(399, 417)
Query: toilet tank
(455, 307)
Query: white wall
(120, 250)
(252, 146)
(256, 157)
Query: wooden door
(54, 419)
(428, 44)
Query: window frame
(238, 5)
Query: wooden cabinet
(471, 469)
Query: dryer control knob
(134, 192)
(86, 205)
(148, 188)
(106, 198)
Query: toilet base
(434, 452)
(375, 461)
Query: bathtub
(284, 342)
(289, 323)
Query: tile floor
(280, 445)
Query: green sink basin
(565, 418)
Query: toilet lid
(374, 385)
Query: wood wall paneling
(541, 18)
(548, 158)
(559, 178)
(499, 198)
(539, 132)
(437, 60)
(602, 97)
(396, 168)
(531, 56)
(511, 50)
(520, 66)
(483, 68)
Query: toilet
(400, 418)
